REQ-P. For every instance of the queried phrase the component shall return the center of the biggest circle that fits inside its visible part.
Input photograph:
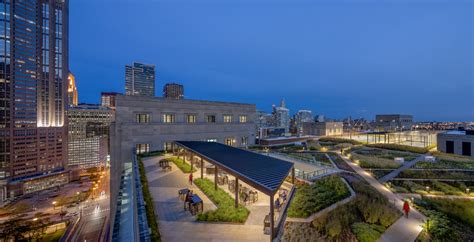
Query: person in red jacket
(191, 178)
(406, 208)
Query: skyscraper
(173, 91)
(281, 116)
(140, 79)
(33, 92)
(72, 90)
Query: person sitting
(277, 204)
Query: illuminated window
(245, 141)
(143, 148)
(211, 140)
(168, 118)
(243, 119)
(229, 141)
(168, 146)
(142, 118)
(191, 118)
(227, 118)
(211, 118)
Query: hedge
(181, 164)
(150, 211)
(226, 211)
(398, 147)
(339, 140)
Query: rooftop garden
(437, 174)
(449, 219)
(226, 211)
(340, 163)
(312, 198)
(364, 218)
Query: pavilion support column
(202, 168)
(293, 175)
(192, 161)
(215, 177)
(236, 192)
(272, 217)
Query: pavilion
(264, 173)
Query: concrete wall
(322, 128)
(458, 139)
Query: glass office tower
(33, 82)
(140, 79)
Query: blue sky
(337, 58)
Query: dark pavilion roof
(264, 173)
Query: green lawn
(310, 199)
(53, 237)
(226, 211)
(181, 164)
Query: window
(211, 140)
(168, 118)
(168, 146)
(243, 118)
(229, 141)
(211, 118)
(191, 118)
(143, 148)
(142, 118)
(245, 141)
(227, 118)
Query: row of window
(190, 118)
(143, 148)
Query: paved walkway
(404, 229)
(175, 224)
(416, 195)
(405, 166)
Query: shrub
(312, 198)
(152, 153)
(458, 209)
(367, 232)
(181, 164)
(226, 211)
(366, 161)
(398, 147)
(339, 140)
(150, 211)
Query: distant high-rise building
(72, 90)
(281, 116)
(107, 99)
(88, 135)
(140, 79)
(173, 90)
(320, 118)
(302, 116)
(33, 95)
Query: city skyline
(351, 59)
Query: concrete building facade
(456, 142)
(323, 128)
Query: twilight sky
(334, 57)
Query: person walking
(406, 208)
(191, 178)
